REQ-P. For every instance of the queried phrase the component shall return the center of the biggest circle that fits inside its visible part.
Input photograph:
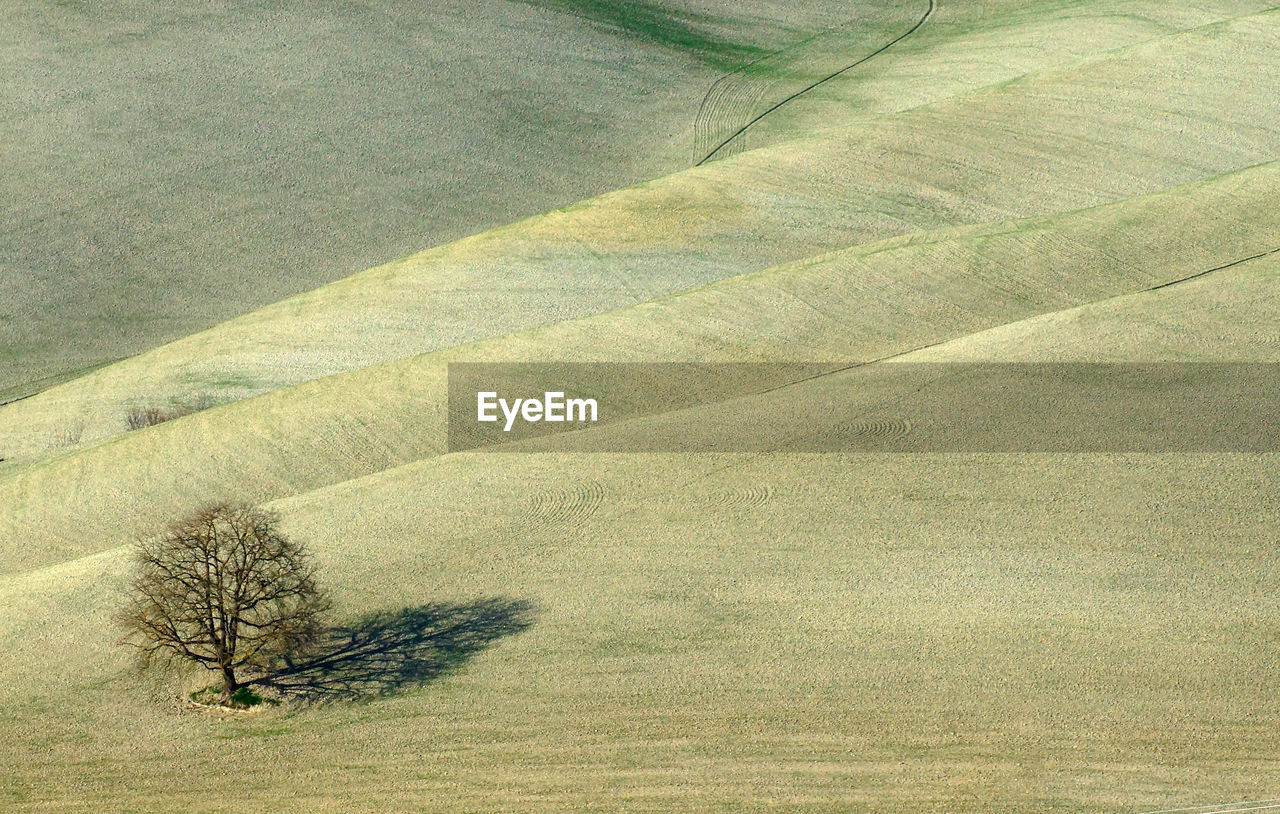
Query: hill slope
(898, 632)
(1179, 108)
(942, 632)
(166, 168)
(856, 305)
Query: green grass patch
(655, 24)
(243, 698)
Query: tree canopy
(225, 589)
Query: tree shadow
(391, 651)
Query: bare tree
(225, 589)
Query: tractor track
(730, 100)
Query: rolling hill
(895, 632)
(184, 165)
(1054, 140)
(967, 631)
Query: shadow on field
(390, 651)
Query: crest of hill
(1145, 117)
(855, 305)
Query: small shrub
(139, 417)
(68, 435)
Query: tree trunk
(229, 683)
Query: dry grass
(211, 161)
(972, 146)
(896, 633)
(856, 305)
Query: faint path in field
(37, 386)
(739, 95)
(1188, 278)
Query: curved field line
(712, 105)
(746, 498)
(879, 429)
(570, 507)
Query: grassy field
(855, 305)
(1055, 140)
(936, 632)
(185, 165)
(903, 633)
